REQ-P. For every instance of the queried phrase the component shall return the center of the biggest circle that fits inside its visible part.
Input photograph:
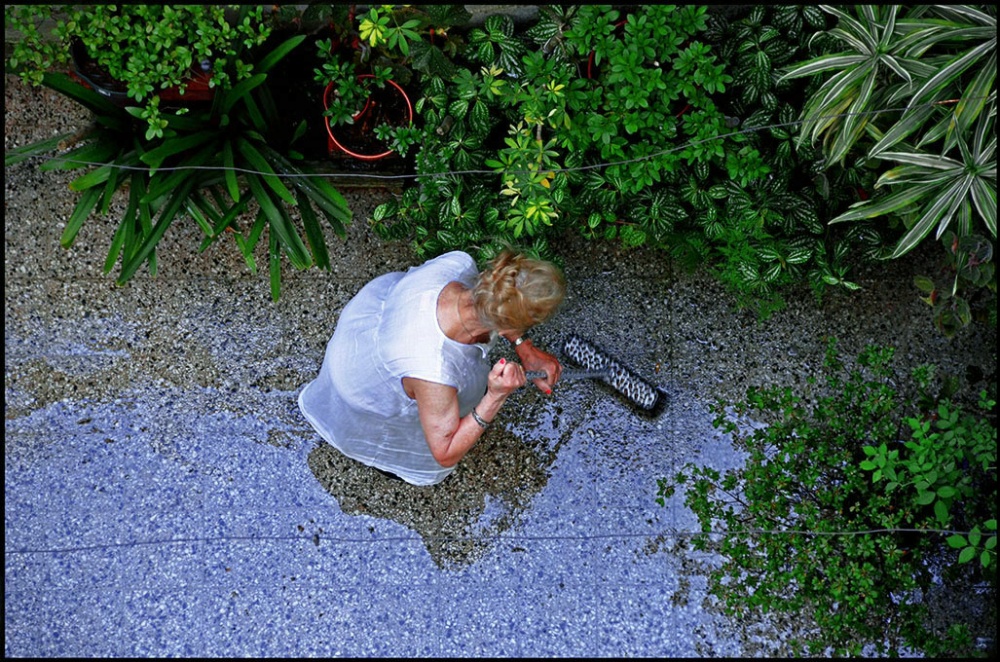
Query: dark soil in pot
(385, 106)
(298, 96)
(97, 78)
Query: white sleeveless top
(388, 331)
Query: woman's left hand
(533, 358)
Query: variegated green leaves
(920, 88)
(877, 66)
(932, 192)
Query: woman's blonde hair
(517, 292)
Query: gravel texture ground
(163, 495)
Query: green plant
(530, 116)
(758, 217)
(495, 44)
(802, 528)
(941, 463)
(448, 211)
(148, 48)
(209, 165)
(936, 191)
(915, 86)
(969, 260)
(388, 43)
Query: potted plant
(140, 54)
(210, 164)
(364, 71)
(385, 102)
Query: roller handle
(570, 373)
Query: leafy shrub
(568, 152)
(772, 233)
(826, 517)
(641, 127)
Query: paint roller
(597, 364)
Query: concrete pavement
(163, 495)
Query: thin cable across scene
(318, 538)
(596, 166)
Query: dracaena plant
(210, 166)
(924, 61)
(879, 68)
(934, 192)
(915, 91)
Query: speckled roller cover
(635, 389)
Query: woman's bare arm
(449, 436)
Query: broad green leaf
(19, 154)
(984, 196)
(145, 226)
(256, 117)
(972, 101)
(821, 64)
(92, 178)
(314, 234)
(884, 205)
(224, 221)
(316, 187)
(274, 266)
(128, 221)
(276, 55)
(910, 122)
(941, 512)
(949, 73)
(155, 157)
(113, 180)
(921, 228)
(280, 224)
(250, 243)
(96, 152)
(199, 218)
(258, 161)
(161, 185)
(924, 160)
(244, 87)
(167, 215)
(81, 212)
(232, 185)
(87, 97)
(913, 174)
(854, 123)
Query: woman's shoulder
(454, 264)
(460, 257)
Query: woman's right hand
(505, 378)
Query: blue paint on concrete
(159, 525)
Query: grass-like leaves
(209, 166)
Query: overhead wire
(455, 173)
(318, 538)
